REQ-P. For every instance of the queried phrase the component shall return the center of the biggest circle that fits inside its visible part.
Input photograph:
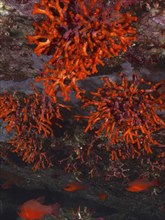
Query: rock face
(19, 66)
(150, 45)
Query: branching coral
(30, 118)
(127, 115)
(78, 34)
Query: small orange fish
(6, 185)
(140, 185)
(74, 186)
(102, 196)
(34, 210)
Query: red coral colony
(78, 34)
(123, 116)
(31, 120)
(126, 114)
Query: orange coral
(127, 115)
(30, 118)
(79, 35)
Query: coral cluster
(78, 35)
(127, 115)
(30, 118)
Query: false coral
(127, 115)
(79, 35)
(30, 118)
